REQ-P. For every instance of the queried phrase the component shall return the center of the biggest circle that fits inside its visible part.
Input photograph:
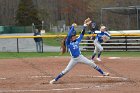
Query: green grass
(52, 41)
(27, 54)
(5, 55)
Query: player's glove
(105, 38)
(87, 22)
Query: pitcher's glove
(105, 38)
(87, 22)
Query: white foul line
(40, 76)
(123, 78)
(2, 78)
(114, 58)
(63, 89)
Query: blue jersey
(99, 36)
(73, 46)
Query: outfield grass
(4, 55)
(53, 41)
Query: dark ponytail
(63, 45)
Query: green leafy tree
(27, 13)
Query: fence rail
(118, 42)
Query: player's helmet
(103, 27)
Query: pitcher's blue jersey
(99, 36)
(73, 46)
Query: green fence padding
(1, 29)
(15, 29)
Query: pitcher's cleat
(98, 59)
(52, 81)
(106, 74)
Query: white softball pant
(98, 46)
(80, 59)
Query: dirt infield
(32, 75)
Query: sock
(93, 56)
(59, 76)
(99, 70)
(99, 54)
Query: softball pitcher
(103, 36)
(72, 43)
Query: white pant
(98, 46)
(80, 59)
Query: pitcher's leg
(92, 64)
(71, 64)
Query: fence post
(17, 46)
(126, 43)
(42, 45)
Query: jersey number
(75, 46)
